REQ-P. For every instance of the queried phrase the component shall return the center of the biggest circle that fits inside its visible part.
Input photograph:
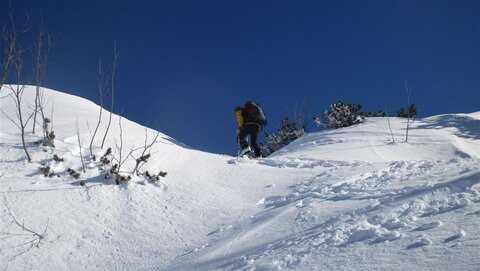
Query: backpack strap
(252, 123)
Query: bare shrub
(33, 238)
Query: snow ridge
(346, 199)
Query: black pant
(253, 130)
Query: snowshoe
(245, 151)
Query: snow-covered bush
(341, 115)
(370, 114)
(119, 177)
(153, 178)
(47, 171)
(48, 134)
(287, 132)
(73, 173)
(105, 159)
(57, 159)
(112, 169)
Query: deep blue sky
(187, 64)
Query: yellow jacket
(241, 120)
(239, 117)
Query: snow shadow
(467, 127)
(454, 237)
(428, 226)
(11, 146)
(461, 184)
(422, 243)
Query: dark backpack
(255, 113)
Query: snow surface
(345, 199)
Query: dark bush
(287, 133)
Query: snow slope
(346, 199)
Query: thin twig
(101, 88)
(80, 145)
(38, 237)
(114, 67)
(389, 126)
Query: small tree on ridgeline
(287, 133)
(340, 115)
(410, 112)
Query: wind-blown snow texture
(346, 199)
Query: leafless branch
(80, 145)
(145, 155)
(408, 91)
(11, 119)
(40, 54)
(120, 148)
(11, 35)
(13, 61)
(300, 115)
(116, 168)
(101, 88)
(112, 91)
(17, 93)
(36, 237)
(389, 126)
